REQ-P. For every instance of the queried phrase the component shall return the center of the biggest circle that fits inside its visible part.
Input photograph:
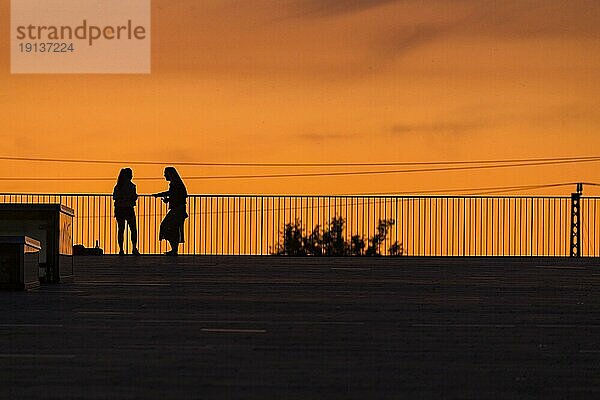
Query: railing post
(575, 222)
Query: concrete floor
(272, 327)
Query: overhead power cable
(304, 164)
(525, 187)
(313, 174)
(470, 192)
(474, 191)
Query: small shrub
(313, 244)
(292, 240)
(357, 245)
(330, 241)
(374, 243)
(396, 249)
(333, 239)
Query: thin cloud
(320, 137)
(346, 39)
(523, 19)
(542, 18)
(549, 116)
(331, 8)
(450, 128)
(408, 39)
(509, 19)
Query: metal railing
(425, 225)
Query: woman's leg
(120, 234)
(168, 231)
(174, 246)
(133, 230)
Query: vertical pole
(575, 221)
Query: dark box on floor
(52, 226)
(19, 260)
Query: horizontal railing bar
(320, 196)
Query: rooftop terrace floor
(154, 327)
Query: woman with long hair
(125, 197)
(171, 227)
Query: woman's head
(171, 174)
(125, 175)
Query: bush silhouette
(293, 242)
(330, 241)
(396, 249)
(375, 242)
(357, 245)
(333, 239)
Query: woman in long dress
(125, 197)
(171, 227)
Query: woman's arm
(162, 194)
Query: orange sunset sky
(322, 81)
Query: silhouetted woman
(171, 227)
(125, 197)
